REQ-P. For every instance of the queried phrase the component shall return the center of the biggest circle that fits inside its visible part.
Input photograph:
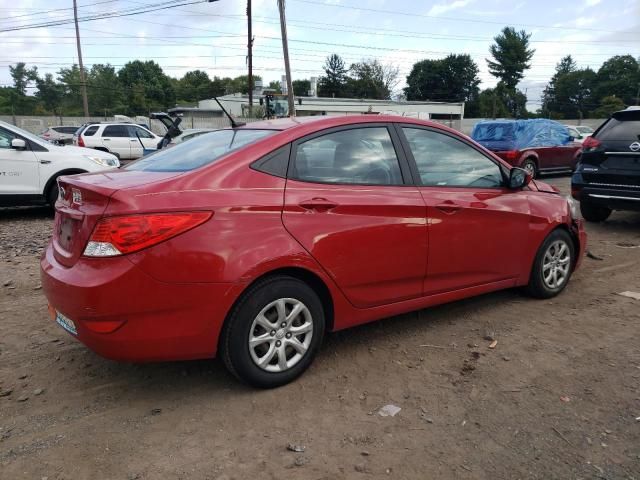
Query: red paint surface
(379, 250)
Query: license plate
(66, 323)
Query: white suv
(29, 166)
(125, 140)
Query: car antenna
(234, 124)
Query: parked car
(125, 140)
(250, 243)
(538, 146)
(30, 166)
(608, 174)
(579, 132)
(61, 134)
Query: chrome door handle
(45, 161)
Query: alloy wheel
(556, 264)
(280, 335)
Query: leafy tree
(552, 106)
(453, 78)
(22, 76)
(511, 56)
(193, 86)
(275, 85)
(490, 105)
(574, 91)
(146, 87)
(334, 82)
(50, 93)
(71, 96)
(240, 84)
(608, 105)
(106, 95)
(301, 87)
(619, 76)
(367, 80)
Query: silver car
(62, 135)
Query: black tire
(52, 194)
(537, 286)
(530, 166)
(594, 213)
(234, 343)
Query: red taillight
(114, 236)
(590, 143)
(510, 154)
(80, 141)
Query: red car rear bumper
(122, 313)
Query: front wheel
(594, 213)
(273, 333)
(552, 266)
(530, 166)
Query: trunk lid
(82, 202)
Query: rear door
(351, 205)
(616, 161)
(478, 228)
(19, 169)
(116, 138)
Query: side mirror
(18, 144)
(519, 178)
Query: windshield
(203, 150)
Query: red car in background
(250, 243)
(537, 145)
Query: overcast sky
(212, 36)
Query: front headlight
(105, 162)
(574, 208)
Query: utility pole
(250, 57)
(285, 51)
(83, 81)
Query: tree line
(140, 87)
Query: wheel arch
(305, 275)
(54, 177)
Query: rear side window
(116, 131)
(89, 132)
(362, 156)
(200, 151)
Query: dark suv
(608, 173)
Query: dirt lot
(556, 399)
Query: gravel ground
(557, 398)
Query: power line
(124, 13)
(439, 17)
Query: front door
(117, 140)
(349, 204)
(19, 169)
(140, 140)
(477, 227)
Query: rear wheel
(273, 333)
(552, 266)
(530, 166)
(594, 213)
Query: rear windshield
(202, 150)
(625, 130)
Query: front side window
(116, 131)
(200, 151)
(356, 156)
(5, 138)
(445, 161)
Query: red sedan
(251, 243)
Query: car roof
(328, 121)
